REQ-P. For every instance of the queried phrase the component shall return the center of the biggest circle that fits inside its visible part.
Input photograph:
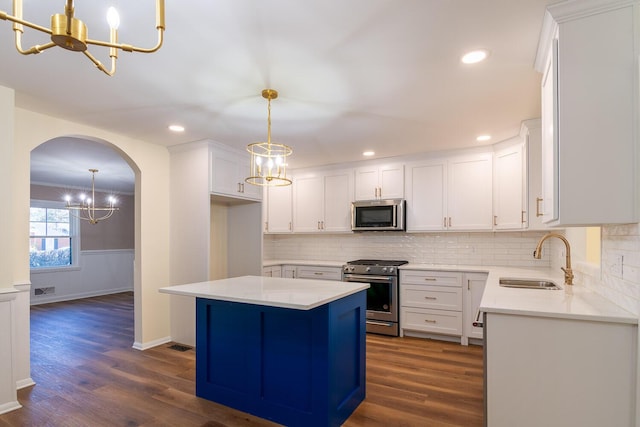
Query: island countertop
(299, 294)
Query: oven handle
(378, 323)
(366, 279)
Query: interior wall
(218, 240)
(116, 232)
(244, 245)
(150, 163)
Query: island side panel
(296, 367)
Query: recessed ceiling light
(368, 153)
(176, 128)
(483, 138)
(475, 56)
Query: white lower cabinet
(318, 273)
(440, 304)
(543, 371)
(289, 271)
(430, 303)
(473, 284)
(272, 271)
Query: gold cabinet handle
(430, 321)
(495, 220)
(444, 224)
(317, 273)
(522, 217)
(431, 298)
(266, 226)
(449, 221)
(430, 279)
(538, 200)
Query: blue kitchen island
(288, 350)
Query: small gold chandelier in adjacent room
(268, 159)
(70, 33)
(86, 209)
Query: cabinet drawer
(434, 297)
(323, 273)
(431, 278)
(437, 321)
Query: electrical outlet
(617, 265)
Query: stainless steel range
(383, 307)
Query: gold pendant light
(268, 159)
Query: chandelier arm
(33, 49)
(99, 64)
(128, 47)
(18, 21)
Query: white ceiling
(382, 75)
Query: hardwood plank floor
(87, 374)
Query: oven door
(382, 296)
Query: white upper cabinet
(426, 195)
(450, 194)
(277, 202)
(322, 201)
(228, 169)
(588, 56)
(509, 204)
(380, 182)
(469, 196)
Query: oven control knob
(384, 269)
(367, 269)
(390, 269)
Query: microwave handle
(395, 216)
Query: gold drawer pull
(430, 279)
(317, 273)
(434, 298)
(430, 321)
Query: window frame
(74, 235)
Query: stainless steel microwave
(378, 215)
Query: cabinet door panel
(508, 184)
(279, 209)
(426, 196)
(307, 207)
(338, 195)
(469, 199)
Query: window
(52, 236)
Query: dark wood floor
(87, 374)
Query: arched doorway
(101, 256)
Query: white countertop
(574, 302)
(299, 294)
(571, 302)
(269, 263)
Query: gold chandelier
(86, 209)
(268, 165)
(70, 33)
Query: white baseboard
(151, 344)
(27, 382)
(46, 300)
(9, 406)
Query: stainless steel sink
(528, 284)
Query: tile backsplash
(619, 277)
(513, 249)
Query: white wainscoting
(100, 273)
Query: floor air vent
(178, 347)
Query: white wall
(20, 132)
(100, 272)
